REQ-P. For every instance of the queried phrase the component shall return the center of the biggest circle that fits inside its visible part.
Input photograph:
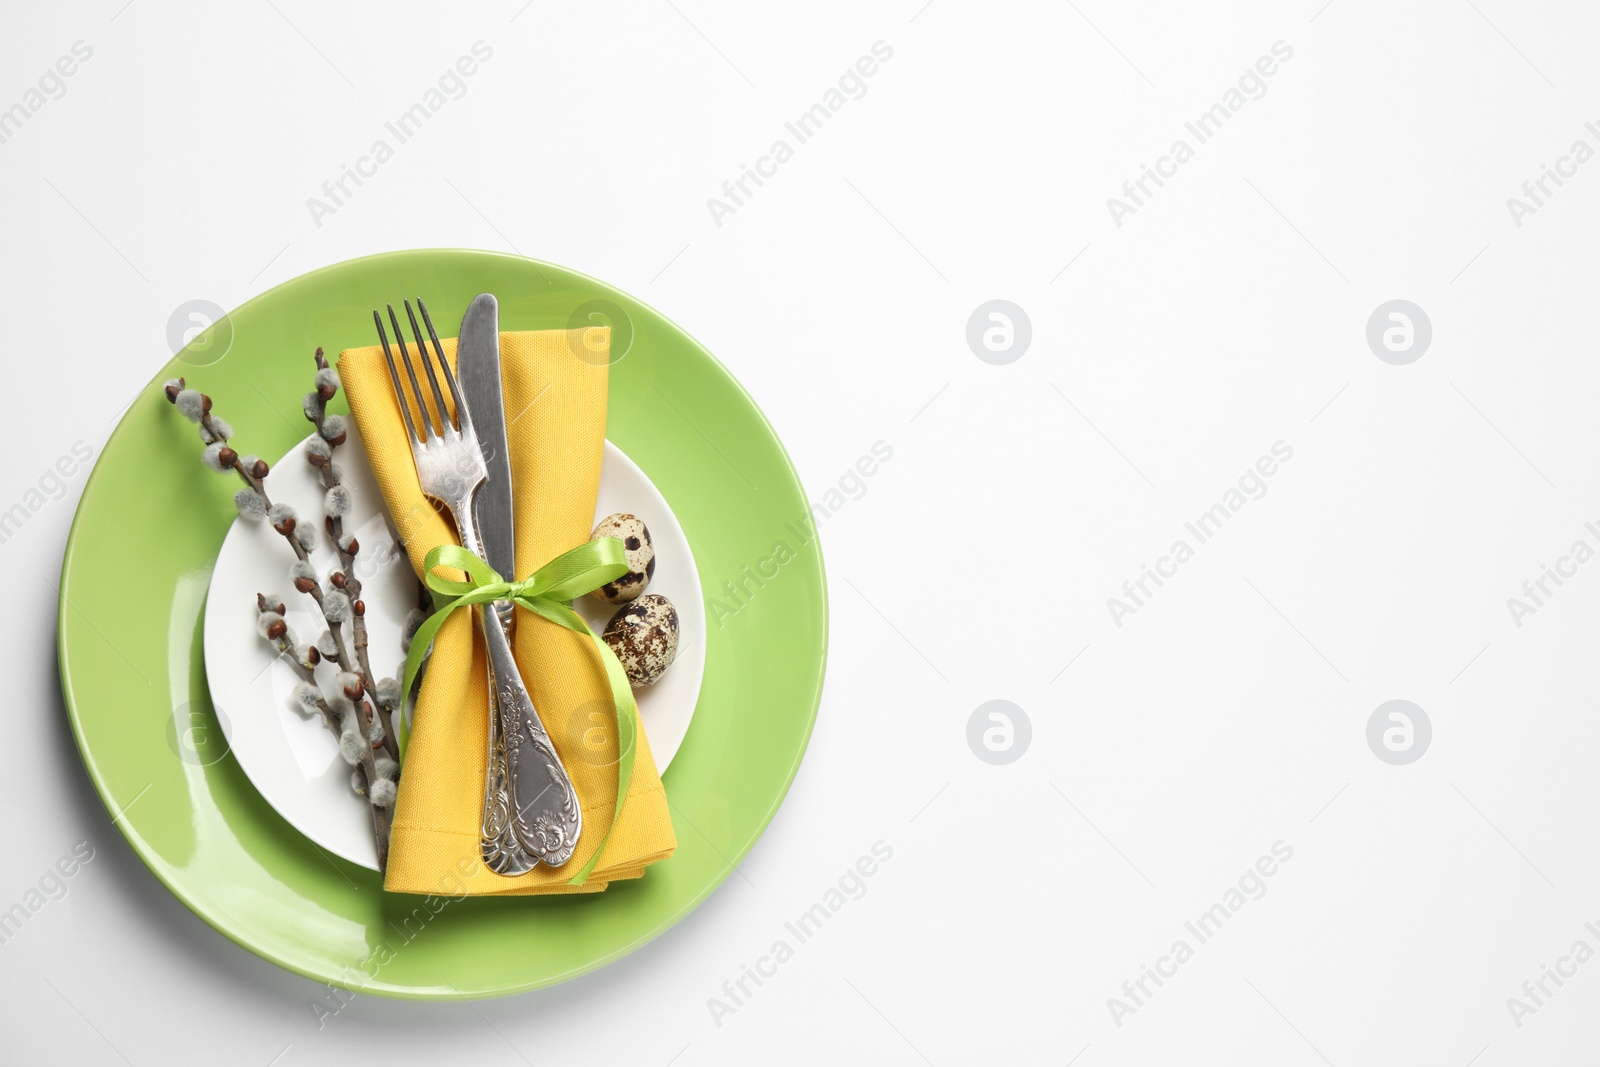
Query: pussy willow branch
(256, 479)
(255, 476)
(382, 817)
(317, 412)
(255, 503)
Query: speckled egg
(641, 555)
(644, 635)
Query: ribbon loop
(548, 593)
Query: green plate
(139, 559)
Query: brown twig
(278, 633)
(336, 607)
(316, 411)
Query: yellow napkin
(555, 405)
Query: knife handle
(544, 812)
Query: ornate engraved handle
(530, 811)
(545, 816)
(497, 840)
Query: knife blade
(525, 777)
(478, 369)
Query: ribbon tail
(483, 585)
(420, 643)
(622, 702)
(627, 747)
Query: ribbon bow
(548, 593)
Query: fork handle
(497, 838)
(530, 810)
(545, 815)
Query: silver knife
(478, 369)
(530, 811)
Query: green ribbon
(548, 593)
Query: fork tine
(427, 365)
(463, 415)
(416, 389)
(394, 375)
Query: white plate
(293, 759)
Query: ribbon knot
(548, 593)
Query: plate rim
(154, 865)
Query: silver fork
(530, 811)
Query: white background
(1167, 354)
